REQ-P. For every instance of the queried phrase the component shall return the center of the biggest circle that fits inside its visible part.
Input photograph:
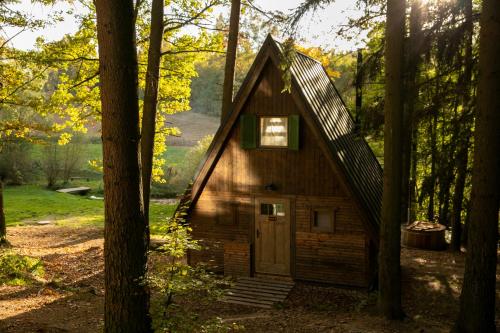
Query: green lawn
(30, 203)
(175, 156)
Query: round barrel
(424, 235)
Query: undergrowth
(18, 270)
(173, 277)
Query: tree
(389, 255)
(415, 41)
(19, 85)
(126, 307)
(477, 300)
(151, 100)
(232, 46)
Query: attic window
(274, 131)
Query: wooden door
(272, 236)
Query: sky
(316, 29)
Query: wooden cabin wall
(304, 172)
(339, 256)
(304, 176)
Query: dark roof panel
(350, 149)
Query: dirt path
(72, 299)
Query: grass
(175, 156)
(29, 203)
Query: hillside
(194, 126)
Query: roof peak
(280, 43)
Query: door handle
(258, 233)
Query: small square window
(274, 131)
(323, 220)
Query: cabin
(288, 188)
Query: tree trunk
(413, 173)
(3, 225)
(232, 46)
(458, 197)
(151, 100)
(463, 151)
(126, 306)
(414, 59)
(433, 134)
(446, 179)
(389, 255)
(477, 300)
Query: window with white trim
(274, 131)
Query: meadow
(32, 202)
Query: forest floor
(70, 297)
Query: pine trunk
(389, 255)
(409, 122)
(126, 306)
(232, 46)
(433, 135)
(151, 100)
(477, 300)
(3, 225)
(456, 225)
(413, 173)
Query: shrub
(15, 163)
(19, 270)
(62, 161)
(173, 276)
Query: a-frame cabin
(288, 188)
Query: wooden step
(267, 281)
(266, 287)
(267, 291)
(258, 292)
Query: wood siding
(304, 176)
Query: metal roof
(351, 150)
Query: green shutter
(248, 131)
(293, 132)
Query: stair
(258, 292)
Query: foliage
(18, 270)
(75, 74)
(183, 175)
(206, 87)
(172, 277)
